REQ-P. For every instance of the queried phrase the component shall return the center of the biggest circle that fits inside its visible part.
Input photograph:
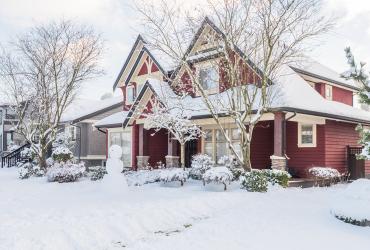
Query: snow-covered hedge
(142, 177)
(28, 169)
(62, 154)
(97, 172)
(275, 176)
(230, 162)
(353, 204)
(324, 173)
(254, 181)
(173, 174)
(65, 172)
(199, 165)
(27, 153)
(218, 175)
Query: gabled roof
(83, 109)
(113, 121)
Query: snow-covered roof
(313, 68)
(113, 120)
(81, 108)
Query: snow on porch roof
(113, 121)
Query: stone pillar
(278, 160)
(172, 161)
(142, 162)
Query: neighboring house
(311, 122)
(8, 137)
(77, 122)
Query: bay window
(122, 139)
(209, 78)
(215, 144)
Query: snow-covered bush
(65, 172)
(173, 174)
(254, 181)
(97, 173)
(218, 175)
(199, 165)
(12, 146)
(142, 177)
(324, 172)
(27, 153)
(230, 162)
(275, 176)
(62, 154)
(63, 139)
(49, 162)
(28, 169)
(353, 203)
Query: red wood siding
(343, 96)
(367, 167)
(337, 136)
(134, 145)
(157, 146)
(262, 145)
(143, 70)
(301, 159)
(320, 87)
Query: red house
(310, 124)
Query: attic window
(209, 78)
(328, 92)
(130, 94)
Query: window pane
(235, 134)
(130, 94)
(209, 77)
(307, 134)
(220, 136)
(208, 148)
(237, 148)
(208, 135)
(221, 150)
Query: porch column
(172, 160)
(278, 160)
(142, 158)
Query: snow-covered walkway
(35, 214)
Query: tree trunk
(42, 159)
(247, 165)
(182, 156)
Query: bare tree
(42, 71)
(172, 113)
(247, 43)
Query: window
(306, 135)
(72, 133)
(328, 92)
(215, 144)
(209, 78)
(122, 139)
(130, 94)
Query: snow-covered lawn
(35, 214)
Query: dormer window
(130, 94)
(209, 78)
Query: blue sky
(117, 22)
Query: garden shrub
(328, 175)
(173, 174)
(230, 162)
(97, 173)
(254, 181)
(28, 169)
(218, 175)
(65, 172)
(275, 176)
(62, 154)
(199, 165)
(142, 177)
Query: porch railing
(12, 158)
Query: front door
(191, 148)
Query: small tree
(171, 113)
(248, 40)
(357, 73)
(42, 71)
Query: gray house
(78, 120)
(8, 137)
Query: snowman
(114, 181)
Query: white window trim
(314, 136)
(126, 99)
(206, 65)
(330, 88)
